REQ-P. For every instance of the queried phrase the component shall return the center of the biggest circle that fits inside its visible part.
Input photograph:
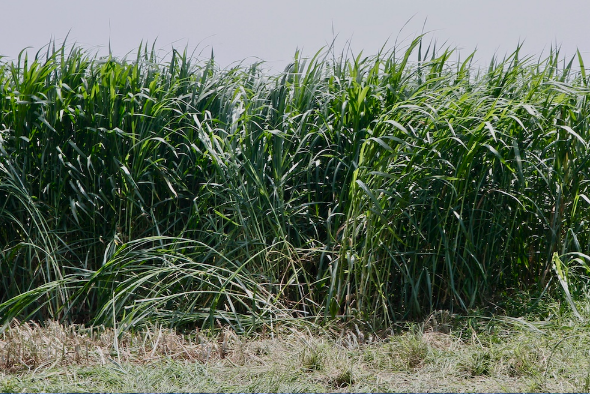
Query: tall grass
(374, 187)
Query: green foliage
(376, 187)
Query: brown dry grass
(427, 357)
(30, 346)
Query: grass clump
(479, 363)
(414, 352)
(312, 360)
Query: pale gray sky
(271, 30)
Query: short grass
(444, 353)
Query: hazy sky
(271, 30)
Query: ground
(474, 355)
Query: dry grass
(30, 346)
(426, 357)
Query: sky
(272, 30)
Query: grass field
(444, 353)
(378, 188)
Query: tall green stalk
(376, 186)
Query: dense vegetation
(375, 187)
